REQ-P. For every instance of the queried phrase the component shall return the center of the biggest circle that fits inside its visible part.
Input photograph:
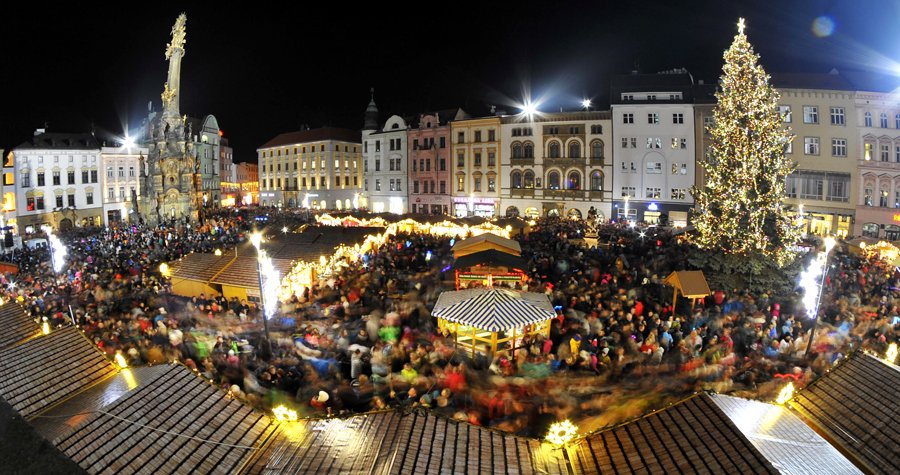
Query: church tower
(170, 178)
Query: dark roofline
(37, 142)
(314, 135)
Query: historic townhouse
(878, 162)
(430, 178)
(476, 167)
(121, 183)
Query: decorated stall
(690, 283)
(488, 320)
(489, 268)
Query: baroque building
(385, 162)
(476, 166)
(429, 162)
(120, 166)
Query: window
(811, 145)
(837, 116)
(443, 187)
(528, 179)
(377, 184)
(897, 154)
(885, 152)
(59, 201)
(868, 197)
(443, 163)
(25, 179)
(596, 180)
(416, 186)
(553, 180)
(121, 172)
(40, 180)
(460, 137)
(492, 136)
(868, 119)
(443, 142)
(652, 193)
(40, 202)
(111, 193)
(573, 181)
(624, 166)
(460, 159)
(596, 149)
(476, 184)
(785, 112)
(553, 150)
(89, 197)
(839, 147)
(627, 118)
(516, 180)
(477, 159)
(598, 129)
(477, 136)
(678, 118)
(492, 159)
(29, 203)
(377, 165)
(574, 150)
(810, 114)
(492, 183)
(84, 176)
(682, 144)
(70, 177)
(629, 191)
(529, 150)
(678, 193)
(71, 199)
(883, 199)
(653, 118)
(897, 121)
(56, 178)
(122, 192)
(884, 120)
(392, 185)
(624, 142)
(654, 168)
(517, 150)
(839, 187)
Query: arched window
(573, 182)
(574, 150)
(517, 150)
(529, 150)
(516, 180)
(553, 180)
(596, 180)
(553, 150)
(529, 179)
(597, 149)
(870, 230)
(512, 212)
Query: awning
(493, 309)
(491, 257)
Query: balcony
(602, 195)
(598, 162)
(521, 193)
(564, 162)
(564, 194)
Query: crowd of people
(363, 338)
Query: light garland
(891, 354)
(561, 433)
(787, 392)
(283, 414)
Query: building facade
(557, 164)
(476, 167)
(877, 198)
(57, 181)
(121, 186)
(247, 178)
(654, 147)
(430, 178)
(318, 168)
(385, 154)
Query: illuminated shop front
(483, 207)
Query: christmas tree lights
(740, 208)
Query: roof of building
(493, 309)
(314, 135)
(491, 257)
(397, 443)
(569, 116)
(788, 443)
(692, 436)
(855, 406)
(15, 325)
(30, 452)
(61, 141)
(832, 81)
(444, 117)
(691, 283)
(486, 241)
(176, 423)
(37, 374)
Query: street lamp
(586, 104)
(626, 207)
(814, 292)
(268, 287)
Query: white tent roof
(493, 309)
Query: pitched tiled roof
(15, 325)
(856, 406)
(61, 141)
(692, 436)
(394, 443)
(178, 402)
(200, 266)
(41, 372)
(791, 446)
(314, 135)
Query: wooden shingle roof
(200, 266)
(856, 406)
(691, 283)
(692, 436)
(396, 443)
(41, 372)
(176, 423)
(15, 325)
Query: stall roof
(493, 309)
(486, 241)
(190, 411)
(15, 325)
(856, 406)
(39, 373)
(789, 444)
(491, 257)
(691, 283)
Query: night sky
(271, 70)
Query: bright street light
(586, 103)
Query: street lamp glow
(529, 109)
(256, 240)
(128, 142)
(284, 229)
(586, 103)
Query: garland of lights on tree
(740, 209)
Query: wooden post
(493, 343)
(514, 341)
(474, 342)
(674, 299)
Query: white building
(121, 172)
(557, 164)
(385, 155)
(653, 146)
(57, 181)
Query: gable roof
(493, 309)
(489, 257)
(15, 325)
(61, 141)
(486, 241)
(856, 406)
(691, 283)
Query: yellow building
(319, 168)
(476, 167)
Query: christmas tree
(740, 207)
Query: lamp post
(829, 245)
(256, 239)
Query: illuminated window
(811, 145)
